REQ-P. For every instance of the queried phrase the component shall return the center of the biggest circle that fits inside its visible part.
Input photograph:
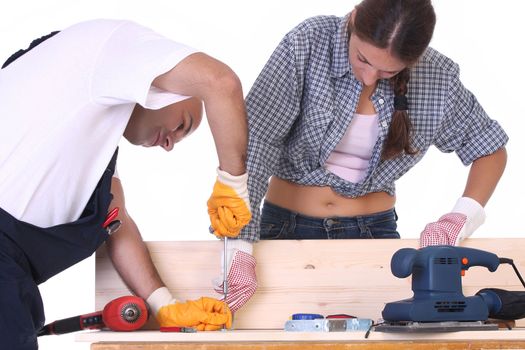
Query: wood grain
(471, 345)
(317, 276)
(261, 336)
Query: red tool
(111, 224)
(112, 215)
(127, 313)
(178, 329)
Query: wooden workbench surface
(278, 339)
(416, 345)
(282, 336)
(315, 276)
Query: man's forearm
(132, 261)
(226, 115)
(484, 175)
(230, 145)
(128, 252)
(219, 87)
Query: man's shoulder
(92, 35)
(98, 25)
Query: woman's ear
(351, 20)
(352, 16)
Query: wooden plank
(318, 276)
(240, 336)
(280, 340)
(471, 345)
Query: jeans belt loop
(293, 222)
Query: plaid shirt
(301, 104)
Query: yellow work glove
(204, 314)
(229, 205)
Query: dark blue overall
(29, 255)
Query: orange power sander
(127, 313)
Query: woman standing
(343, 108)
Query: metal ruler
(329, 325)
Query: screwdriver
(224, 271)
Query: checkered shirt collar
(341, 63)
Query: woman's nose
(370, 76)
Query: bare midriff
(322, 201)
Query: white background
(167, 193)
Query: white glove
(241, 277)
(159, 298)
(466, 216)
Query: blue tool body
(436, 282)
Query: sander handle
(476, 257)
(402, 262)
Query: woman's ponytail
(399, 133)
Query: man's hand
(241, 278)
(466, 216)
(204, 314)
(229, 205)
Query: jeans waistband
(275, 210)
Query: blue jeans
(281, 223)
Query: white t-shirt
(63, 108)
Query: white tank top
(350, 158)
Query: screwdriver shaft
(225, 268)
(224, 272)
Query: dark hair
(405, 27)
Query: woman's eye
(361, 59)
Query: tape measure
(304, 316)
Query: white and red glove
(241, 278)
(229, 204)
(466, 216)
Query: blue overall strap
(22, 52)
(30, 255)
(53, 249)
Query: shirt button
(381, 101)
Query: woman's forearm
(484, 175)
